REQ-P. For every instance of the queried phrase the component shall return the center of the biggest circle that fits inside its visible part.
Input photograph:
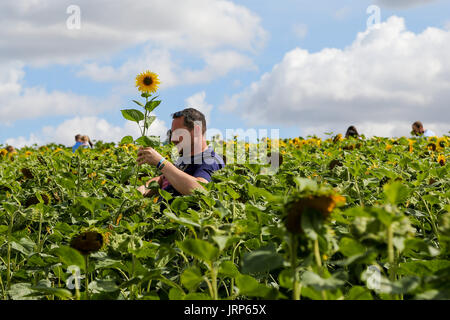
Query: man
(419, 131)
(78, 143)
(197, 163)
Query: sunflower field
(341, 219)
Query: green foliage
(390, 240)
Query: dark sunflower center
(148, 81)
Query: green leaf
(423, 267)
(191, 278)
(20, 291)
(286, 279)
(166, 195)
(248, 286)
(196, 296)
(148, 121)
(395, 192)
(133, 115)
(233, 193)
(103, 286)
(181, 220)
(312, 279)
(310, 221)
(264, 259)
(176, 294)
(350, 247)
(151, 105)
(70, 257)
(200, 249)
(45, 288)
(138, 103)
(228, 269)
(179, 204)
(126, 140)
(148, 141)
(359, 293)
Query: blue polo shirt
(76, 146)
(201, 165)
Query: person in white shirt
(419, 131)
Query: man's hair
(351, 132)
(191, 115)
(417, 124)
(77, 137)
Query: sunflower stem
(86, 280)
(296, 285)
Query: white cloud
(403, 3)
(36, 31)
(386, 75)
(96, 128)
(18, 102)
(300, 30)
(217, 64)
(219, 33)
(197, 101)
(447, 25)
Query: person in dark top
(351, 132)
(197, 161)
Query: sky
(301, 67)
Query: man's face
(181, 136)
(417, 129)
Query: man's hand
(143, 190)
(148, 155)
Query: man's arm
(181, 181)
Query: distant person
(86, 142)
(418, 130)
(78, 143)
(10, 149)
(351, 132)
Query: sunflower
(3, 152)
(338, 138)
(431, 147)
(322, 204)
(442, 143)
(147, 82)
(441, 160)
(388, 147)
(88, 242)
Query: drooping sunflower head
(88, 241)
(147, 82)
(324, 205)
(441, 160)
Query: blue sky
(209, 54)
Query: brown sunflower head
(87, 242)
(27, 173)
(334, 163)
(322, 204)
(431, 147)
